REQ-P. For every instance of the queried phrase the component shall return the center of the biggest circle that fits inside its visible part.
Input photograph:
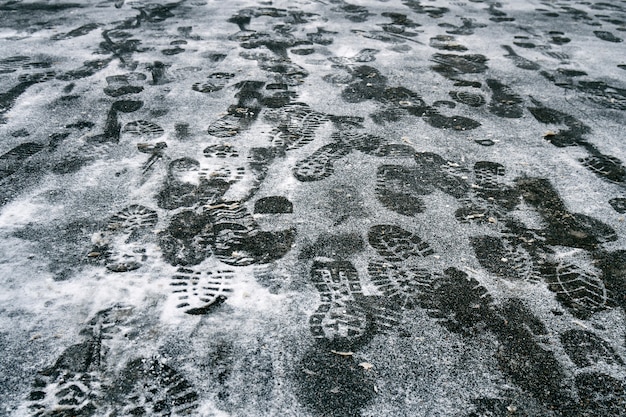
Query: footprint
(618, 204)
(121, 247)
(504, 102)
(150, 387)
(503, 259)
(446, 43)
(215, 82)
(319, 165)
(395, 244)
(64, 392)
(582, 292)
(446, 176)
(339, 319)
(187, 240)
(564, 227)
(404, 287)
(143, 128)
(605, 166)
(295, 125)
(467, 98)
(600, 395)
(199, 291)
(73, 386)
(607, 36)
(120, 85)
(398, 190)
(585, 349)
(451, 65)
(523, 358)
(184, 186)
(490, 189)
(519, 61)
(238, 239)
(221, 150)
(459, 303)
(13, 160)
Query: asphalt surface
(313, 208)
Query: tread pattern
(396, 244)
(505, 260)
(584, 348)
(144, 128)
(295, 125)
(121, 246)
(405, 288)
(149, 387)
(340, 318)
(582, 292)
(131, 218)
(398, 190)
(199, 292)
(320, 164)
(459, 303)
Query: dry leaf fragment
(342, 353)
(366, 365)
(580, 323)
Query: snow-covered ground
(312, 208)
